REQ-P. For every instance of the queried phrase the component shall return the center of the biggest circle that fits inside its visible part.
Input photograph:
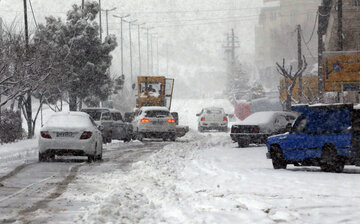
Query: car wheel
(99, 157)
(173, 138)
(200, 129)
(277, 157)
(43, 157)
(164, 138)
(91, 158)
(330, 160)
(140, 137)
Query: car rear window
(213, 111)
(116, 116)
(94, 114)
(157, 113)
(68, 121)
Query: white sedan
(154, 122)
(70, 133)
(212, 118)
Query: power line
(312, 56)
(32, 10)
(312, 33)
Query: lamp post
(147, 48)
(139, 47)
(121, 40)
(131, 70)
(107, 18)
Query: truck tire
(277, 157)
(330, 160)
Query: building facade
(276, 36)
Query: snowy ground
(201, 178)
(210, 180)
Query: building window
(356, 3)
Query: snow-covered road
(203, 178)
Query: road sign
(341, 71)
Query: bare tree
(292, 77)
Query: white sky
(194, 52)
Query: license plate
(214, 124)
(64, 134)
(158, 122)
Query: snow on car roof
(146, 108)
(70, 119)
(263, 117)
(214, 108)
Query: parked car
(70, 133)
(260, 125)
(154, 122)
(212, 118)
(323, 135)
(114, 127)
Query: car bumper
(152, 134)
(257, 138)
(86, 147)
(210, 126)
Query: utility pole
(107, 19)
(28, 103)
(26, 26)
(324, 15)
(83, 4)
(340, 43)
(300, 63)
(131, 67)
(1, 33)
(152, 59)
(147, 49)
(139, 47)
(157, 56)
(121, 41)
(100, 21)
(340, 26)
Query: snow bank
(210, 180)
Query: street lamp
(131, 71)
(107, 19)
(139, 46)
(121, 40)
(147, 47)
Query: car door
(106, 122)
(294, 143)
(119, 130)
(97, 131)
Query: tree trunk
(28, 111)
(72, 102)
(288, 96)
(80, 104)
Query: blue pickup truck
(323, 135)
